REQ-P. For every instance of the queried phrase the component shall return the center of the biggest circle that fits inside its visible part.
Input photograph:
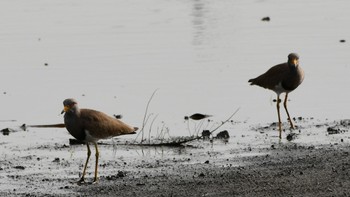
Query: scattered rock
(23, 127)
(20, 167)
(57, 160)
(5, 131)
(291, 136)
(342, 40)
(345, 122)
(206, 134)
(46, 64)
(267, 18)
(206, 162)
(120, 174)
(223, 135)
(118, 116)
(335, 130)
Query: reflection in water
(199, 23)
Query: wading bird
(282, 78)
(89, 126)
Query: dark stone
(5, 131)
(20, 167)
(334, 130)
(267, 18)
(291, 136)
(201, 174)
(223, 135)
(118, 116)
(206, 134)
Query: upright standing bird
(282, 78)
(88, 125)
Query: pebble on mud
(5, 131)
(334, 130)
(120, 174)
(267, 18)
(118, 116)
(20, 167)
(291, 136)
(205, 134)
(223, 135)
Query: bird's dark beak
(65, 109)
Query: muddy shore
(284, 169)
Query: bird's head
(293, 59)
(69, 105)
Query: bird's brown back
(280, 73)
(102, 126)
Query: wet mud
(264, 166)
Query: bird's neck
(75, 111)
(292, 67)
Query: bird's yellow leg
(285, 107)
(279, 116)
(87, 160)
(96, 165)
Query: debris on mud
(291, 136)
(267, 19)
(223, 135)
(206, 134)
(341, 126)
(6, 131)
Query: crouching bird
(282, 78)
(89, 126)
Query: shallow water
(198, 55)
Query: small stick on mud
(60, 125)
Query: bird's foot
(292, 126)
(81, 181)
(95, 181)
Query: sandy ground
(277, 168)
